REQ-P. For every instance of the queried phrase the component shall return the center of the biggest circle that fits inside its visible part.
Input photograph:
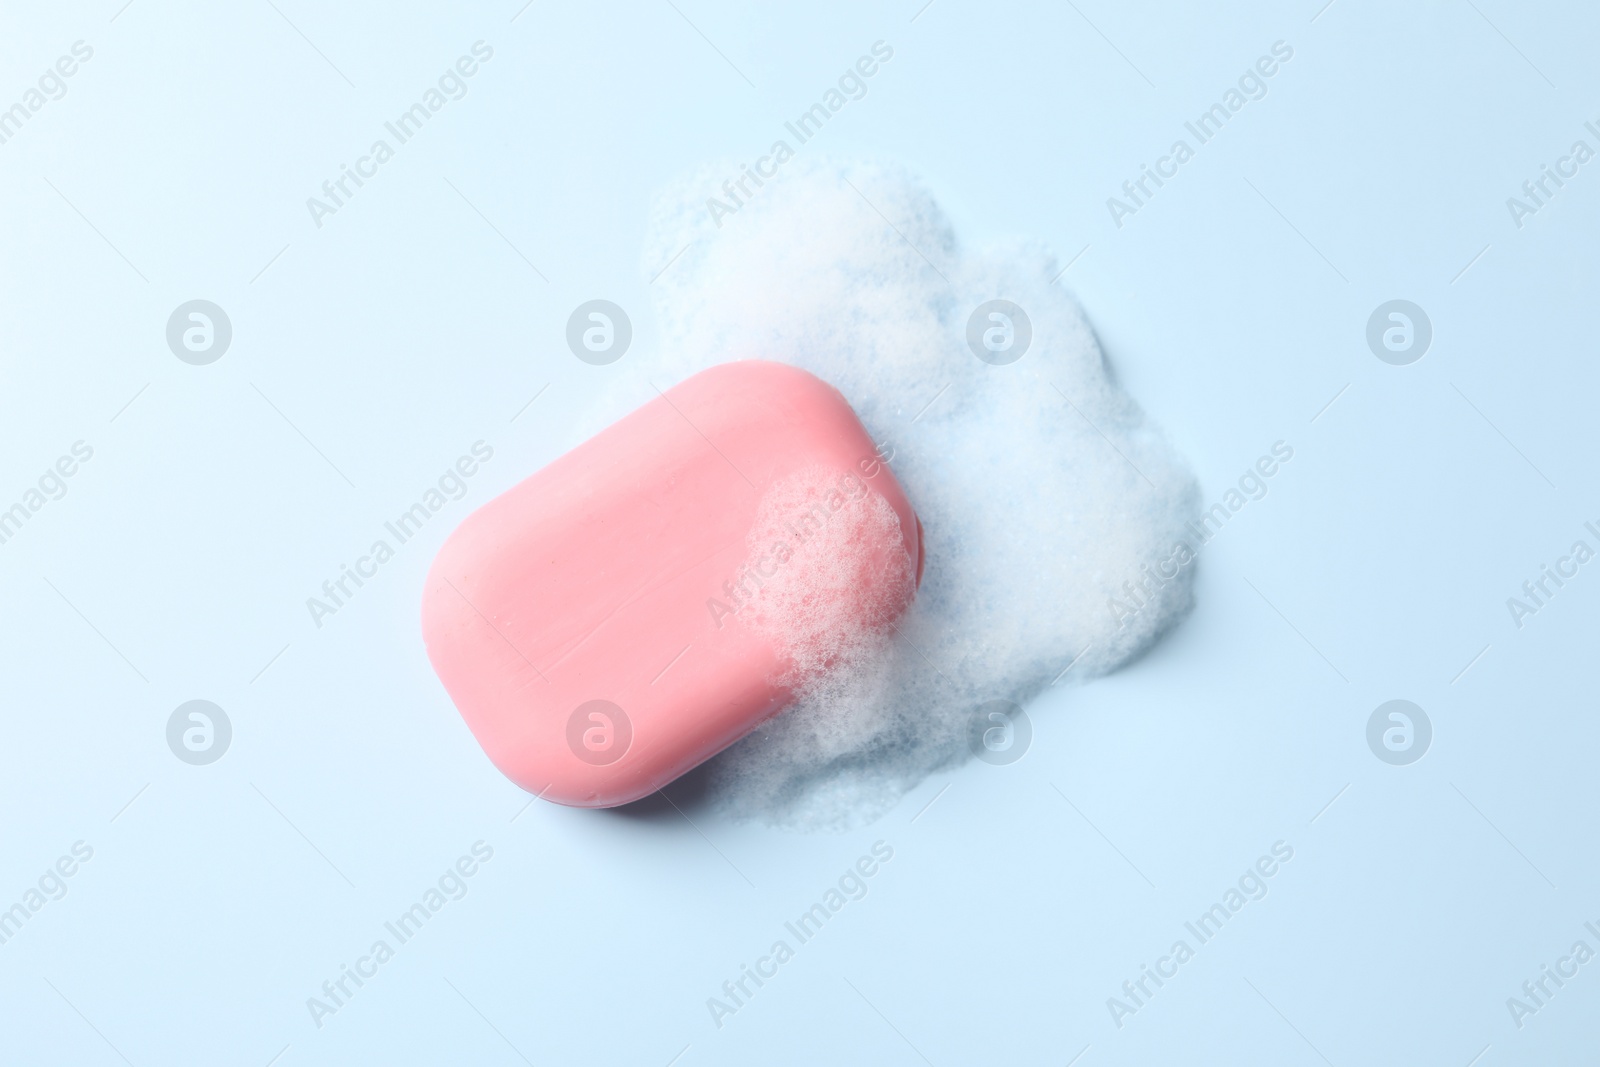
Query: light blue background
(177, 166)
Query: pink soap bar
(653, 595)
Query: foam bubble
(1040, 485)
(841, 573)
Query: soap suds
(840, 574)
(1041, 487)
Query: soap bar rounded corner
(588, 622)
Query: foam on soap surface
(840, 577)
(1040, 485)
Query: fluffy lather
(1041, 486)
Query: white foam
(1040, 485)
(841, 573)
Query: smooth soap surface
(652, 596)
